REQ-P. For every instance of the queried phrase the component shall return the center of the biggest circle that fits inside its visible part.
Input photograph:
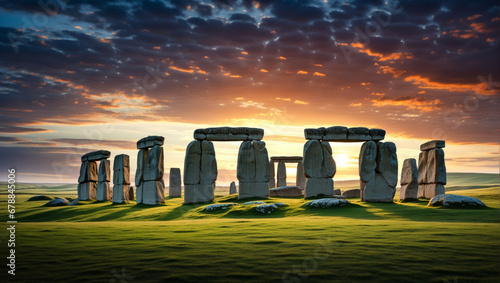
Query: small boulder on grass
(219, 206)
(57, 202)
(268, 208)
(37, 198)
(455, 201)
(253, 202)
(327, 202)
(74, 202)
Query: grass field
(362, 242)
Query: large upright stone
(150, 141)
(131, 193)
(208, 169)
(104, 191)
(175, 184)
(436, 169)
(262, 165)
(368, 161)
(387, 162)
(104, 171)
(300, 179)
(281, 174)
(431, 170)
(153, 192)
(121, 170)
(329, 166)
(318, 187)
(272, 180)
(121, 193)
(87, 191)
(141, 162)
(313, 159)
(88, 172)
(377, 190)
(246, 163)
(153, 169)
(192, 163)
(409, 180)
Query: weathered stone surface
(153, 192)
(253, 190)
(255, 133)
(96, 155)
(287, 191)
(354, 193)
(272, 180)
(104, 192)
(300, 179)
(153, 168)
(120, 193)
(318, 186)
(87, 190)
(329, 165)
(246, 163)
(327, 202)
(432, 144)
(432, 167)
(141, 162)
(232, 188)
(337, 192)
(367, 161)
(175, 184)
(104, 171)
(131, 193)
(387, 162)
(208, 168)
(377, 134)
(37, 198)
(335, 133)
(57, 202)
(198, 193)
(138, 194)
(121, 170)
(455, 201)
(262, 165)
(316, 134)
(281, 174)
(287, 159)
(377, 190)
(409, 172)
(226, 137)
(359, 134)
(192, 164)
(430, 190)
(88, 172)
(409, 191)
(200, 134)
(313, 159)
(150, 141)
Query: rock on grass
(219, 206)
(268, 208)
(327, 202)
(36, 198)
(455, 201)
(57, 202)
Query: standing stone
(121, 178)
(281, 174)
(153, 169)
(141, 163)
(318, 187)
(329, 166)
(103, 190)
(436, 169)
(337, 192)
(232, 188)
(87, 191)
(300, 179)
(246, 163)
(262, 165)
(387, 162)
(368, 161)
(409, 180)
(431, 169)
(192, 163)
(153, 192)
(313, 159)
(131, 193)
(174, 187)
(272, 180)
(87, 181)
(104, 171)
(138, 194)
(208, 169)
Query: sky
(79, 76)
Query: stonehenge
(200, 164)
(175, 183)
(431, 169)
(104, 191)
(121, 178)
(89, 177)
(149, 174)
(232, 188)
(409, 180)
(300, 180)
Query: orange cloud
(426, 83)
(264, 70)
(319, 74)
(284, 99)
(301, 72)
(301, 102)
(418, 103)
(190, 71)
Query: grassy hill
(403, 242)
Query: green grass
(362, 242)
